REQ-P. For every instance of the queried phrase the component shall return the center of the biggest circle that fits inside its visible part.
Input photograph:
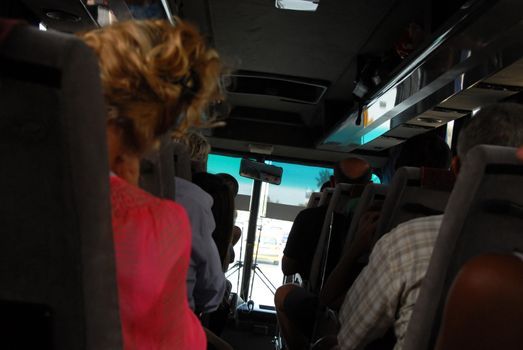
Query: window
(297, 184)
(297, 5)
(230, 165)
(450, 133)
(279, 205)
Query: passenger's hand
(365, 232)
(328, 342)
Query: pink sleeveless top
(152, 244)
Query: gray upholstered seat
(159, 168)
(484, 215)
(157, 171)
(343, 202)
(326, 196)
(371, 194)
(57, 267)
(327, 319)
(414, 193)
(314, 200)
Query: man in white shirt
(205, 278)
(206, 281)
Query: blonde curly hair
(155, 77)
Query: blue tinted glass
(377, 132)
(297, 183)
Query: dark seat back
(57, 268)
(413, 193)
(159, 167)
(326, 196)
(327, 320)
(484, 215)
(371, 194)
(157, 171)
(339, 212)
(314, 200)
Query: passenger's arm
(346, 270)
(370, 305)
(291, 262)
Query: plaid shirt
(385, 292)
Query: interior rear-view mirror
(261, 171)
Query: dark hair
(500, 124)
(231, 182)
(426, 150)
(325, 185)
(222, 210)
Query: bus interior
(308, 83)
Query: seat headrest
(356, 190)
(437, 179)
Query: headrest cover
(437, 179)
(356, 190)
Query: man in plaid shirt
(385, 292)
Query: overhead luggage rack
(473, 61)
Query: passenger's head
(352, 171)
(199, 149)
(427, 150)
(519, 153)
(230, 181)
(500, 124)
(327, 184)
(156, 78)
(222, 209)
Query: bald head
(520, 153)
(352, 171)
(500, 124)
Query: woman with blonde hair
(156, 78)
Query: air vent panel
(510, 76)
(434, 119)
(265, 116)
(285, 89)
(381, 143)
(407, 131)
(472, 98)
(65, 16)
